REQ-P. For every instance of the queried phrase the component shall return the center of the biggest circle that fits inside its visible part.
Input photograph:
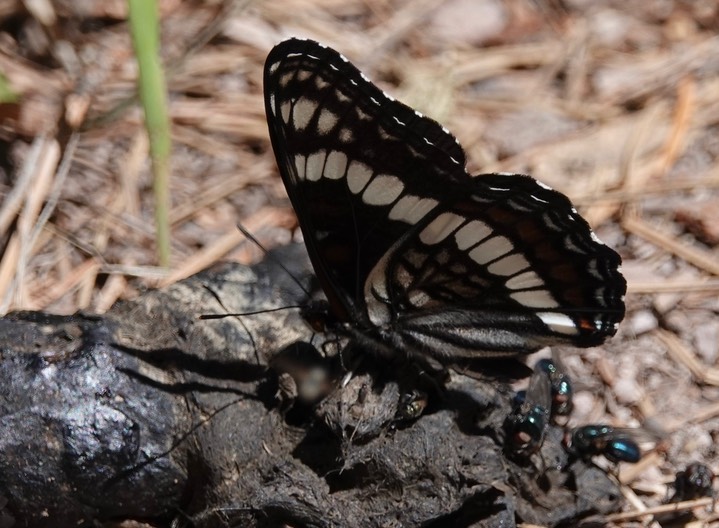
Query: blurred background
(614, 103)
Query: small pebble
(627, 390)
(642, 322)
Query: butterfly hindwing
(408, 247)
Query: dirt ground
(614, 103)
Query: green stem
(144, 28)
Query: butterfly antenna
(242, 323)
(240, 314)
(271, 257)
(254, 312)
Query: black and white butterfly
(413, 253)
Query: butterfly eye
(414, 254)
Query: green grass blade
(144, 28)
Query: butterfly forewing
(408, 247)
(326, 124)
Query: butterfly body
(413, 253)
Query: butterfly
(413, 253)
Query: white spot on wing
(285, 79)
(382, 190)
(273, 104)
(525, 281)
(403, 276)
(418, 298)
(361, 114)
(471, 233)
(491, 249)
(544, 185)
(557, 322)
(346, 135)
(302, 112)
(274, 66)
(508, 265)
(440, 228)
(300, 161)
(285, 110)
(416, 258)
(315, 165)
(358, 174)
(326, 121)
(411, 209)
(535, 299)
(335, 165)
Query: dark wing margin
(408, 246)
